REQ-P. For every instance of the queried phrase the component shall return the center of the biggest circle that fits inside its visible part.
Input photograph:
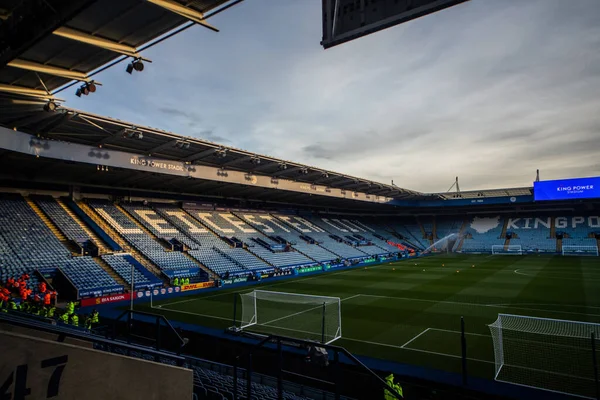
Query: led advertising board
(567, 189)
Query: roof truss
(185, 12)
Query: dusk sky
(488, 91)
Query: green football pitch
(409, 311)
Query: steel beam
(185, 12)
(83, 37)
(48, 69)
(201, 154)
(25, 91)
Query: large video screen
(567, 189)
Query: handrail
(325, 346)
(182, 341)
(28, 322)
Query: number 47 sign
(15, 386)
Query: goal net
(549, 354)
(580, 251)
(301, 316)
(512, 249)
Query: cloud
(487, 91)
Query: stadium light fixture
(135, 65)
(255, 160)
(50, 106)
(182, 145)
(283, 166)
(133, 134)
(221, 152)
(87, 88)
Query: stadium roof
(74, 126)
(89, 129)
(47, 44)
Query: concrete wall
(64, 371)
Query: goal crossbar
(302, 316)
(511, 249)
(572, 250)
(550, 354)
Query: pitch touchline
(396, 346)
(357, 340)
(273, 284)
(413, 349)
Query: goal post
(511, 250)
(301, 316)
(549, 354)
(580, 250)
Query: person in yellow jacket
(176, 281)
(387, 395)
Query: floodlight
(50, 106)
(136, 65)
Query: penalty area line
(413, 349)
(414, 338)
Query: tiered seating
(485, 232)
(142, 277)
(427, 224)
(27, 243)
(412, 229)
(218, 262)
(211, 251)
(578, 229)
(447, 226)
(533, 234)
(67, 225)
(171, 260)
(230, 226)
(86, 274)
(315, 251)
(368, 231)
(317, 229)
(271, 226)
(215, 384)
(211, 380)
(158, 225)
(409, 229)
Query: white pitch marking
(414, 338)
(413, 349)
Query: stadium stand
(480, 234)
(122, 264)
(316, 229)
(409, 229)
(158, 226)
(369, 234)
(447, 226)
(531, 233)
(29, 244)
(69, 227)
(240, 233)
(87, 275)
(172, 261)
